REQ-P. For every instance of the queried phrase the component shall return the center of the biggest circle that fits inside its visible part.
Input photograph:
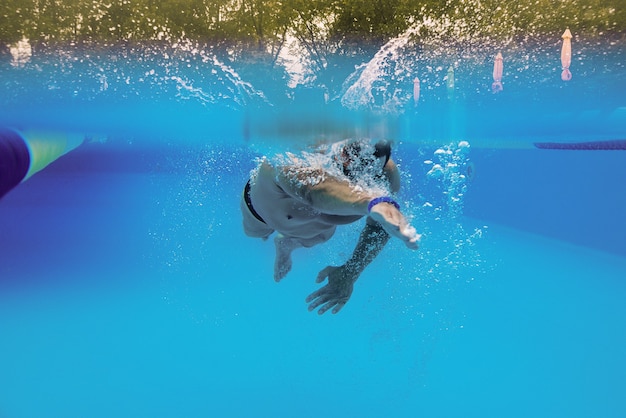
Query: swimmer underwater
(304, 199)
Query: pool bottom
(538, 333)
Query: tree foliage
(264, 24)
(333, 35)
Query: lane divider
(24, 153)
(611, 145)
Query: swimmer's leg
(284, 247)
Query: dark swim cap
(360, 158)
(383, 149)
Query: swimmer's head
(358, 156)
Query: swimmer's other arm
(335, 294)
(384, 219)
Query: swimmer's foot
(282, 264)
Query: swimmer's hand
(336, 293)
(392, 221)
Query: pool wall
(575, 196)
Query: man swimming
(304, 199)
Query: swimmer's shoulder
(393, 175)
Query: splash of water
(326, 160)
(21, 52)
(235, 92)
(463, 42)
(427, 49)
(170, 72)
(378, 84)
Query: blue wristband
(383, 199)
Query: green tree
(324, 28)
(15, 17)
(369, 22)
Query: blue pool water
(127, 287)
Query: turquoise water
(129, 289)
(132, 292)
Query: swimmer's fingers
(335, 304)
(337, 307)
(335, 294)
(327, 301)
(318, 298)
(392, 221)
(404, 232)
(314, 295)
(322, 275)
(410, 237)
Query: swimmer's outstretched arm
(329, 194)
(334, 196)
(324, 192)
